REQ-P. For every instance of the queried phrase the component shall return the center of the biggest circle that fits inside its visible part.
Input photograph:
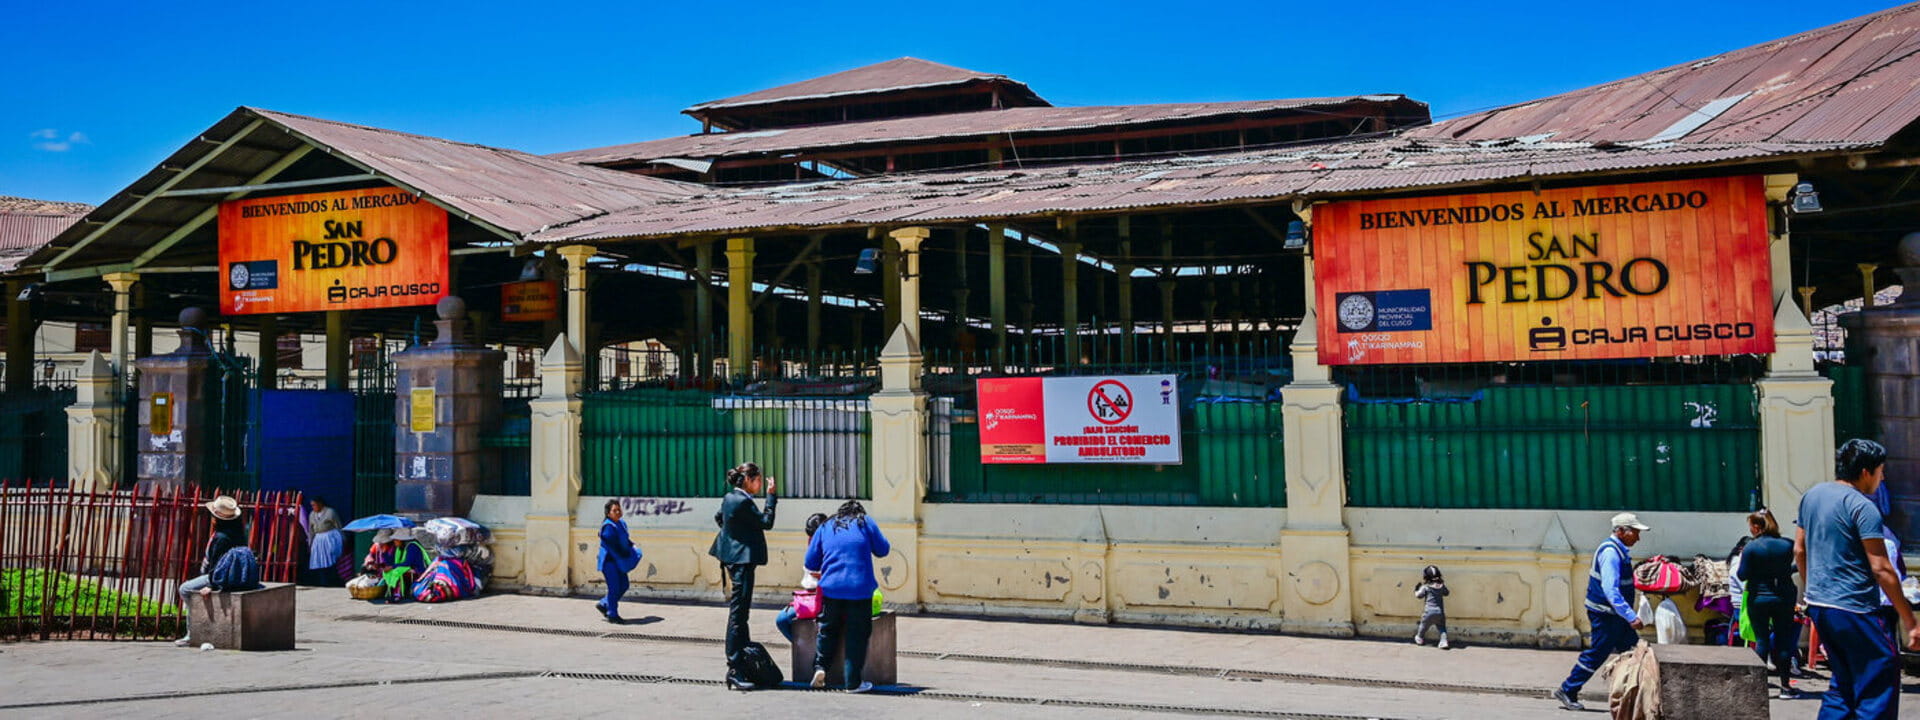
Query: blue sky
(98, 93)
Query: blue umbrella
(378, 522)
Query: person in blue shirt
(1609, 607)
(842, 551)
(1842, 552)
(618, 556)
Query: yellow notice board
(420, 419)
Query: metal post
(997, 291)
(815, 300)
(337, 349)
(1166, 284)
(889, 285)
(142, 326)
(1123, 270)
(20, 328)
(703, 306)
(1070, 289)
(267, 352)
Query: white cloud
(51, 140)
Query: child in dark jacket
(1433, 589)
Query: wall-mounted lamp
(1803, 199)
(31, 291)
(868, 261)
(530, 271)
(1296, 237)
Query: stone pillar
(447, 395)
(1886, 341)
(1796, 403)
(172, 408)
(740, 307)
(555, 461)
(899, 446)
(1314, 546)
(93, 430)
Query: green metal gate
(373, 444)
(1584, 447)
(231, 418)
(33, 433)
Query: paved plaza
(524, 656)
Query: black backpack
(754, 665)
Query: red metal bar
(44, 559)
(81, 545)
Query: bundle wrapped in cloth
(461, 560)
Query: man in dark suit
(741, 546)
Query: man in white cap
(1609, 607)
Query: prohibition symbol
(1110, 402)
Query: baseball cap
(1629, 520)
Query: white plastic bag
(1667, 625)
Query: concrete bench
(251, 620)
(1701, 681)
(881, 666)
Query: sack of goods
(1659, 575)
(461, 560)
(367, 587)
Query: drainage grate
(1390, 684)
(183, 694)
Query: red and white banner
(1093, 419)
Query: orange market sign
(347, 250)
(531, 301)
(1613, 271)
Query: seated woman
(809, 584)
(397, 559)
(229, 533)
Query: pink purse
(806, 604)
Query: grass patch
(78, 605)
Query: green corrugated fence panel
(1690, 447)
(760, 437)
(1852, 416)
(654, 444)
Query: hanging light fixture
(868, 261)
(1804, 199)
(1296, 236)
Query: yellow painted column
(1314, 546)
(576, 257)
(740, 307)
(1796, 403)
(555, 461)
(908, 241)
(122, 284)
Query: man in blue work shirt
(1609, 607)
(1842, 550)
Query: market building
(1344, 341)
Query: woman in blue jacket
(618, 556)
(842, 551)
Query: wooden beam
(207, 215)
(99, 270)
(165, 186)
(253, 187)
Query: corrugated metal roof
(1850, 82)
(1271, 175)
(27, 225)
(897, 74)
(1014, 121)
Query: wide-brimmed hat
(224, 507)
(1629, 520)
(403, 534)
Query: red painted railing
(108, 564)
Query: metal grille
(665, 443)
(1675, 435)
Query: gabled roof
(1850, 82)
(512, 193)
(958, 125)
(1233, 178)
(898, 74)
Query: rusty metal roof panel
(21, 233)
(1015, 121)
(893, 75)
(1818, 86)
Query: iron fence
(108, 564)
(678, 443)
(1231, 440)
